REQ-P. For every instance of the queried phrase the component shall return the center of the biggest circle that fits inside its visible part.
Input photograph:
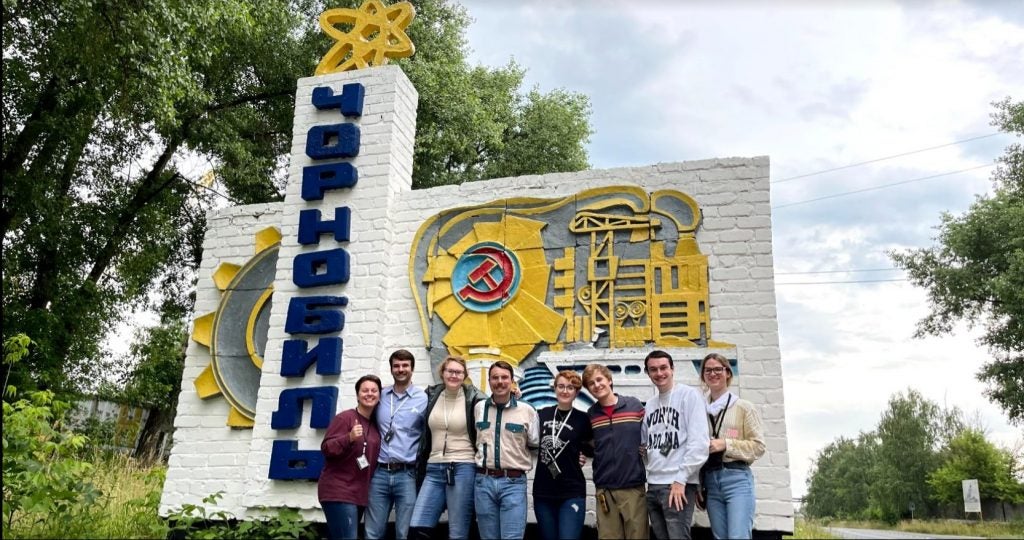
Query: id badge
(665, 449)
(363, 462)
(554, 470)
(388, 436)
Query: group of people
(419, 452)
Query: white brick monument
(297, 300)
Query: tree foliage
(916, 455)
(157, 357)
(908, 443)
(108, 105)
(842, 478)
(970, 456)
(975, 272)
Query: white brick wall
(733, 194)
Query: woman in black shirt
(559, 488)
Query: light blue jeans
(560, 519)
(730, 502)
(435, 494)
(387, 489)
(501, 507)
(342, 520)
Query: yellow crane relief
(638, 296)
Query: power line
(208, 188)
(883, 186)
(836, 272)
(815, 173)
(842, 282)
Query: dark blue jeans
(390, 489)
(560, 518)
(342, 520)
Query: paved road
(876, 533)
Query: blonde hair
(591, 370)
(458, 360)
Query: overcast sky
(815, 86)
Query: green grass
(985, 529)
(810, 529)
(127, 507)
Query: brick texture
(208, 457)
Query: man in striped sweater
(619, 472)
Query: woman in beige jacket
(737, 439)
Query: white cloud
(814, 86)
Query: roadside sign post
(972, 498)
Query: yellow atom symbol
(376, 34)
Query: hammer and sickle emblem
(489, 277)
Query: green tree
(908, 441)
(970, 455)
(975, 272)
(157, 357)
(102, 100)
(841, 478)
(106, 103)
(881, 473)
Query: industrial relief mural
(611, 267)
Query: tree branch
(146, 190)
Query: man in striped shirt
(619, 471)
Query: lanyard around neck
(557, 436)
(716, 423)
(401, 403)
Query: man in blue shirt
(400, 420)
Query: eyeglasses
(715, 370)
(454, 372)
(565, 388)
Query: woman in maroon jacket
(350, 449)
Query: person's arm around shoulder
(586, 436)
(748, 443)
(533, 430)
(478, 412)
(473, 394)
(643, 427)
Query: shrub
(43, 479)
(193, 521)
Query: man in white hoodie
(675, 430)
